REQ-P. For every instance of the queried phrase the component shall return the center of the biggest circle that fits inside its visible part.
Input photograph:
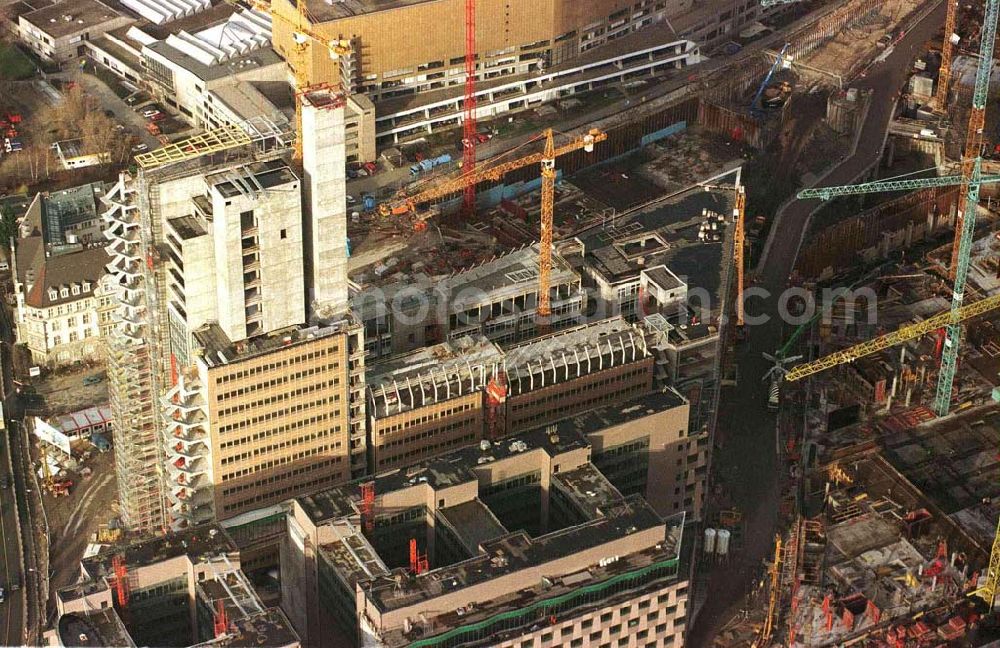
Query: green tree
(8, 226)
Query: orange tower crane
(764, 638)
(469, 129)
(739, 211)
(494, 170)
(973, 149)
(947, 49)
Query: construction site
(887, 385)
(534, 353)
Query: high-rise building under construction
(231, 310)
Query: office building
(186, 589)
(517, 543)
(59, 32)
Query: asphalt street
(746, 430)
(12, 610)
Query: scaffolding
(131, 375)
(260, 131)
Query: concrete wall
(324, 197)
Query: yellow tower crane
(739, 242)
(302, 36)
(899, 336)
(767, 629)
(495, 170)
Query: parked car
(351, 199)
(92, 380)
(3, 595)
(149, 112)
(139, 148)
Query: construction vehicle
(782, 61)
(495, 170)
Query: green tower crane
(966, 222)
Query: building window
(284, 234)
(53, 295)
(64, 292)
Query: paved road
(11, 565)
(12, 611)
(748, 456)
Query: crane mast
(548, 163)
(739, 243)
(469, 129)
(947, 49)
(970, 181)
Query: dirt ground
(63, 391)
(75, 518)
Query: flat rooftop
(589, 490)
(518, 551)
(474, 524)
(665, 234)
(259, 58)
(71, 16)
(257, 176)
(602, 418)
(666, 552)
(188, 227)
(439, 472)
(219, 350)
(196, 542)
(97, 628)
(323, 11)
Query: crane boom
(903, 334)
(882, 186)
(408, 204)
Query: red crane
(368, 506)
(418, 561)
(221, 618)
(469, 130)
(121, 579)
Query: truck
(425, 165)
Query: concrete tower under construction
(216, 363)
